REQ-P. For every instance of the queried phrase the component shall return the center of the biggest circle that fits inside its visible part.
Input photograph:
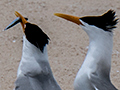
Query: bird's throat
(98, 55)
(32, 51)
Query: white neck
(99, 54)
(31, 55)
(32, 51)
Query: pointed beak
(24, 21)
(71, 18)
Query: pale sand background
(68, 45)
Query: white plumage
(34, 71)
(94, 73)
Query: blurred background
(68, 45)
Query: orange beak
(69, 18)
(24, 21)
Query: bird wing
(42, 81)
(101, 84)
(28, 83)
(23, 83)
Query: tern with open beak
(34, 72)
(94, 73)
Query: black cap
(106, 21)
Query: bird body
(94, 73)
(97, 61)
(34, 66)
(34, 71)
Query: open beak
(69, 18)
(24, 21)
(19, 18)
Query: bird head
(33, 33)
(94, 25)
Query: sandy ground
(68, 45)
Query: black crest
(106, 21)
(36, 36)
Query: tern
(94, 73)
(34, 72)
